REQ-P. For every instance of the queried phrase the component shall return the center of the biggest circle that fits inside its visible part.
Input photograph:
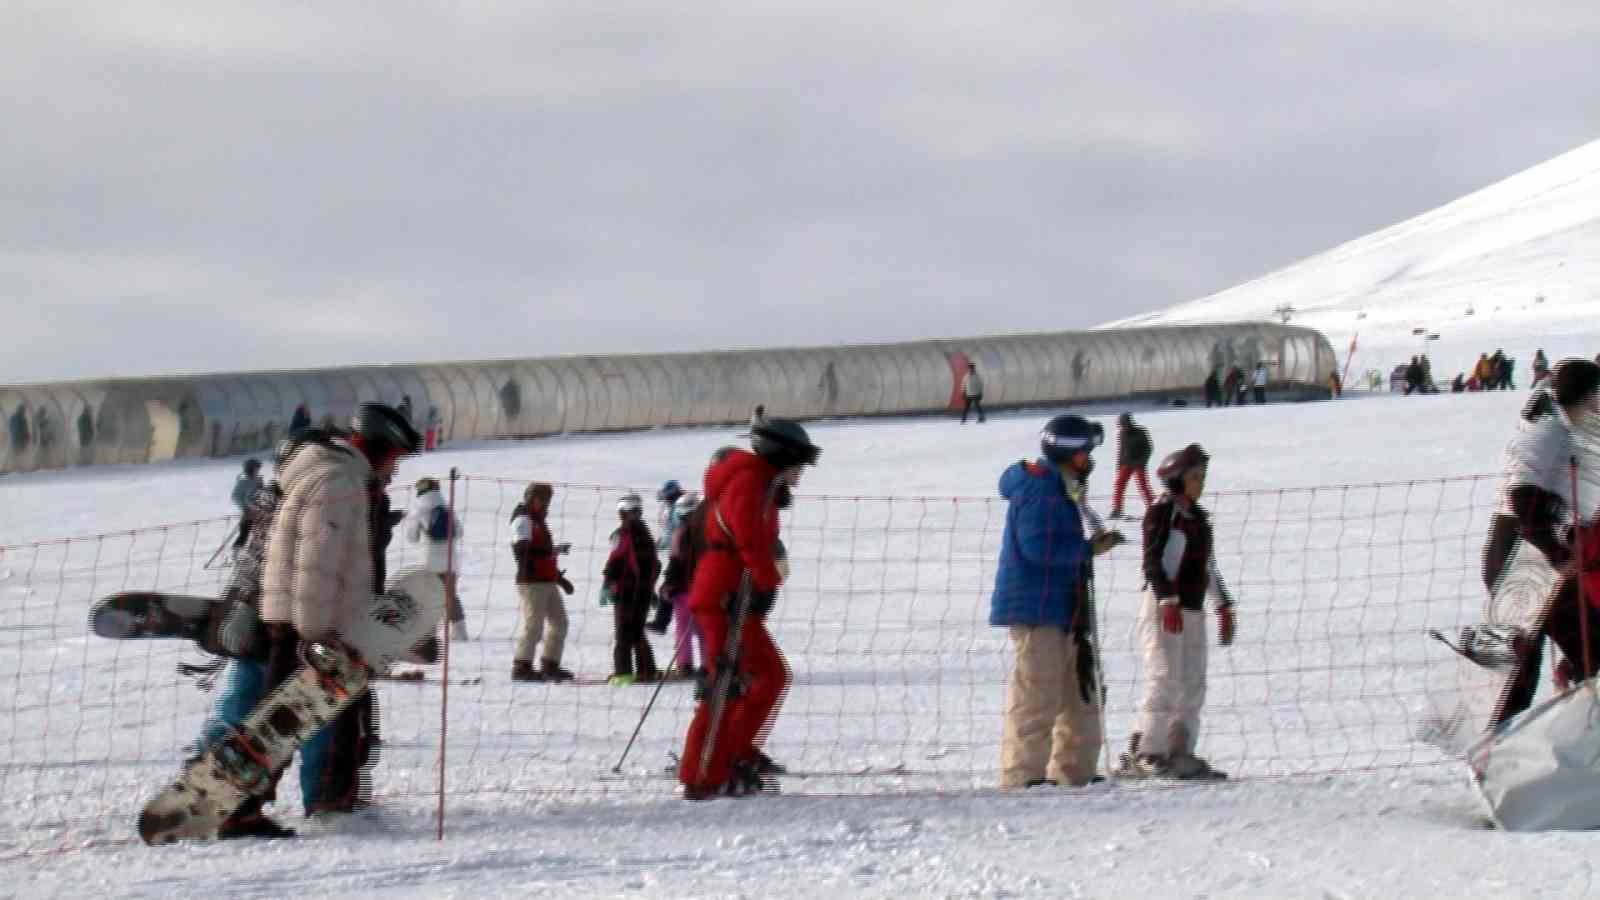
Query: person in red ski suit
(744, 491)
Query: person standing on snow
(540, 585)
(1133, 456)
(744, 492)
(1213, 390)
(1258, 383)
(972, 391)
(673, 599)
(1180, 570)
(667, 514)
(245, 487)
(318, 565)
(1541, 367)
(431, 523)
(1535, 508)
(1052, 731)
(629, 582)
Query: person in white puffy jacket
(318, 563)
(431, 524)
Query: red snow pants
(746, 719)
(1123, 474)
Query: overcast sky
(220, 185)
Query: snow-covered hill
(1515, 265)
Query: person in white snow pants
(1180, 572)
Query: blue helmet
(670, 491)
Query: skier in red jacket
(743, 493)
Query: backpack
(439, 524)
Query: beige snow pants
(1050, 730)
(541, 603)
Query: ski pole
(222, 546)
(1577, 548)
(660, 683)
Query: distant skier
(972, 391)
(540, 586)
(1213, 390)
(630, 583)
(1233, 386)
(1258, 383)
(1133, 456)
(432, 524)
(300, 421)
(1180, 571)
(667, 514)
(245, 487)
(1541, 367)
(744, 491)
(1052, 731)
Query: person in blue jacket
(1052, 731)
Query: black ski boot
(522, 670)
(554, 673)
(252, 825)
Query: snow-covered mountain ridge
(1514, 265)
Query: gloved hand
(1105, 540)
(238, 632)
(761, 603)
(663, 616)
(1171, 616)
(563, 549)
(1562, 674)
(566, 586)
(1225, 625)
(1087, 680)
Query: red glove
(1172, 618)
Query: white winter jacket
(972, 384)
(435, 555)
(319, 554)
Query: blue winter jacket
(1041, 551)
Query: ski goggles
(1095, 437)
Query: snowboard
(244, 763)
(1486, 662)
(136, 615)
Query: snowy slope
(1412, 831)
(1515, 265)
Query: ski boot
(553, 672)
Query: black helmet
(252, 466)
(379, 424)
(1178, 462)
(784, 443)
(1066, 435)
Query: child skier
(629, 581)
(1180, 571)
(688, 542)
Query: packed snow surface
(534, 809)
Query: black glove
(1088, 685)
(566, 586)
(761, 603)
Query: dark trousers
(973, 403)
(631, 653)
(1524, 683)
(1261, 395)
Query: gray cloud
(228, 185)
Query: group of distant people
(1235, 388)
